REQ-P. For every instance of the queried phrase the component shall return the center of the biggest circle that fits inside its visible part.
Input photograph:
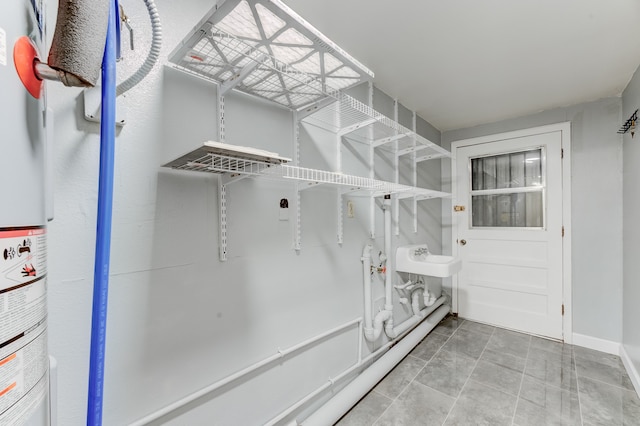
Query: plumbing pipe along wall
(103, 227)
(337, 406)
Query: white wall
(631, 245)
(596, 185)
(178, 318)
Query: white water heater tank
(24, 361)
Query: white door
(508, 232)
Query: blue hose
(103, 232)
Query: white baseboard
(631, 369)
(597, 344)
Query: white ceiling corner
(460, 63)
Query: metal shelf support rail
(396, 165)
(222, 188)
(372, 172)
(297, 232)
(415, 171)
(339, 201)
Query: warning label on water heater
(23, 254)
(23, 287)
(23, 315)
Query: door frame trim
(565, 130)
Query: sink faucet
(420, 251)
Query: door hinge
(563, 231)
(458, 208)
(561, 152)
(563, 309)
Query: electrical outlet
(350, 210)
(284, 209)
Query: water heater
(24, 361)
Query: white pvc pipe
(429, 298)
(372, 327)
(388, 302)
(366, 271)
(382, 317)
(235, 376)
(325, 386)
(337, 406)
(413, 320)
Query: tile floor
(466, 373)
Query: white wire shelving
(222, 58)
(234, 168)
(351, 118)
(264, 49)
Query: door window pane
(508, 190)
(520, 210)
(513, 170)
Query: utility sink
(416, 259)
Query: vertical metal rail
(339, 203)
(414, 161)
(103, 226)
(396, 159)
(297, 232)
(222, 188)
(372, 174)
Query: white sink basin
(416, 259)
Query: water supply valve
(127, 23)
(379, 269)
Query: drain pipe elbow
(371, 335)
(381, 318)
(429, 298)
(388, 329)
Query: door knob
(463, 242)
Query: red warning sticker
(23, 256)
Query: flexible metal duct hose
(154, 51)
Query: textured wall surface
(631, 248)
(179, 319)
(596, 208)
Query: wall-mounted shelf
(263, 48)
(233, 162)
(218, 157)
(350, 118)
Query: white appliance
(24, 361)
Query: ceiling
(461, 63)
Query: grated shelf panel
(264, 48)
